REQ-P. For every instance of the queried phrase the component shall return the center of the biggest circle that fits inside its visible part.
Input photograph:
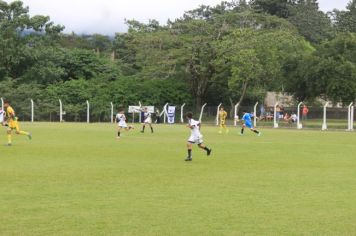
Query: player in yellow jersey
(222, 119)
(12, 123)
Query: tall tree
(345, 21)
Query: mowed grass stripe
(78, 179)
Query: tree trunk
(244, 89)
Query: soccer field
(74, 179)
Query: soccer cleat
(8, 144)
(188, 159)
(142, 131)
(208, 152)
(29, 136)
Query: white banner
(138, 109)
(171, 111)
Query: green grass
(77, 179)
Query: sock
(118, 134)
(206, 149)
(24, 133)
(9, 138)
(256, 131)
(190, 153)
(242, 131)
(151, 129)
(143, 128)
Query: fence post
(350, 118)
(32, 111)
(255, 115)
(201, 112)
(325, 126)
(299, 125)
(275, 124)
(112, 112)
(217, 114)
(182, 113)
(60, 111)
(88, 112)
(164, 112)
(235, 113)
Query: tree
(345, 21)
(312, 23)
(329, 72)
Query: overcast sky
(107, 16)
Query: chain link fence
(44, 111)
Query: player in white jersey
(195, 136)
(121, 123)
(147, 116)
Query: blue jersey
(247, 117)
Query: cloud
(108, 16)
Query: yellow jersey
(222, 115)
(10, 114)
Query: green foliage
(234, 51)
(345, 21)
(330, 72)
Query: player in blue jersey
(247, 122)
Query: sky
(108, 16)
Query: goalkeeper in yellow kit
(222, 120)
(12, 123)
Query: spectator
(305, 112)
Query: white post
(217, 114)
(88, 112)
(182, 113)
(255, 115)
(201, 112)
(349, 116)
(2, 103)
(60, 111)
(352, 118)
(299, 125)
(112, 112)
(164, 112)
(32, 111)
(235, 113)
(325, 126)
(275, 124)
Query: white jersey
(147, 117)
(195, 135)
(121, 120)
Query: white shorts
(148, 121)
(197, 139)
(122, 125)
